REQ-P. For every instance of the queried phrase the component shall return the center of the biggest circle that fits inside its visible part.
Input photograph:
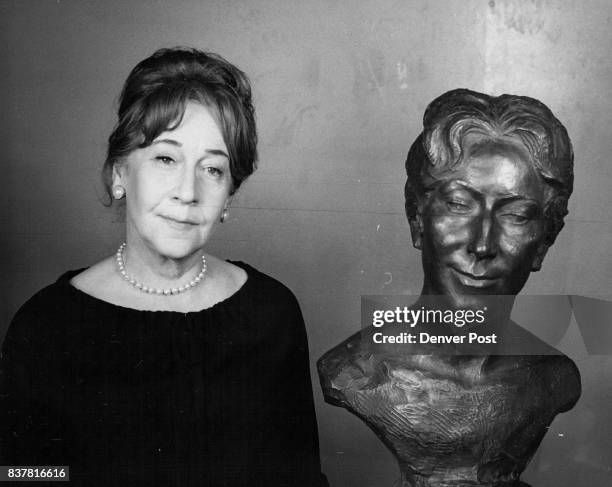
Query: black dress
(219, 397)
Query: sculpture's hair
(156, 93)
(455, 114)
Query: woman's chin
(177, 249)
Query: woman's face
(483, 223)
(177, 187)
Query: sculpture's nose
(482, 243)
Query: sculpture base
(451, 421)
(419, 481)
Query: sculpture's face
(482, 223)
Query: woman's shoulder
(95, 279)
(268, 311)
(47, 306)
(50, 295)
(265, 286)
(268, 307)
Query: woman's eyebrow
(167, 141)
(211, 152)
(217, 152)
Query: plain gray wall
(340, 89)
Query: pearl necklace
(152, 290)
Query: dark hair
(155, 95)
(453, 115)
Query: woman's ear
(119, 172)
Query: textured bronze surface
(488, 184)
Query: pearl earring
(118, 192)
(223, 215)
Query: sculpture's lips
(476, 280)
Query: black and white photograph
(325, 243)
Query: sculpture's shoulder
(350, 347)
(341, 364)
(536, 364)
(555, 376)
(566, 382)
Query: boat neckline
(250, 272)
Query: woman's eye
(214, 171)
(165, 160)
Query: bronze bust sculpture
(489, 179)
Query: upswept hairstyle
(453, 115)
(156, 93)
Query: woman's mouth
(179, 224)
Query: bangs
(162, 110)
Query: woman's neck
(156, 270)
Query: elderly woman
(488, 184)
(162, 364)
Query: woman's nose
(482, 242)
(186, 189)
